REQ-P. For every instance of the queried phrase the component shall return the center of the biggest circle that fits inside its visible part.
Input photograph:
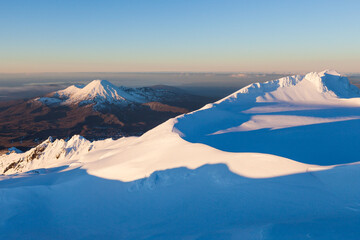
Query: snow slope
(310, 119)
(98, 91)
(235, 169)
(313, 87)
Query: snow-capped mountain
(96, 92)
(291, 113)
(279, 104)
(101, 93)
(312, 87)
(97, 110)
(271, 161)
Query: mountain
(276, 160)
(312, 87)
(310, 119)
(97, 110)
(101, 93)
(97, 92)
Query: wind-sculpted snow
(245, 167)
(310, 88)
(132, 158)
(209, 202)
(303, 118)
(45, 155)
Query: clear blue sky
(179, 35)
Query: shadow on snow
(209, 202)
(322, 143)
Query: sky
(179, 36)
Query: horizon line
(195, 72)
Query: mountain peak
(100, 83)
(330, 72)
(97, 91)
(331, 82)
(312, 87)
(100, 90)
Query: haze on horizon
(205, 36)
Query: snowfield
(275, 160)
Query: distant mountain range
(97, 110)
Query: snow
(48, 100)
(96, 92)
(59, 151)
(274, 122)
(311, 88)
(276, 160)
(101, 92)
(129, 159)
(291, 117)
(69, 91)
(13, 150)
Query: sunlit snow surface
(246, 167)
(308, 119)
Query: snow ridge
(330, 81)
(249, 180)
(48, 153)
(314, 86)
